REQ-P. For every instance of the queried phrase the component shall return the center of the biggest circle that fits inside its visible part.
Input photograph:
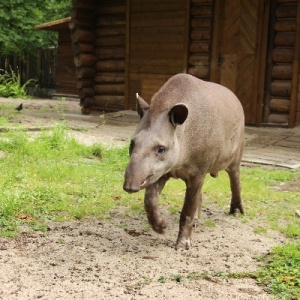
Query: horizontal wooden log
(282, 119)
(280, 105)
(285, 25)
(84, 83)
(86, 92)
(109, 89)
(110, 53)
(201, 1)
(110, 65)
(87, 102)
(203, 22)
(110, 41)
(110, 31)
(280, 88)
(286, 11)
(198, 60)
(158, 38)
(157, 61)
(199, 47)
(86, 4)
(285, 39)
(85, 60)
(202, 10)
(200, 72)
(111, 20)
(85, 73)
(109, 102)
(282, 72)
(112, 9)
(109, 78)
(83, 48)
(83, 36)
(83, 24)
(200, 34)
(283, 55)
(87, 15)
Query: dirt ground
(118, 258)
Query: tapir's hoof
(183, 244)
(236, 210)
(160, 227)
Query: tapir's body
(191, 128)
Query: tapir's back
(215, 123)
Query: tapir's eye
(131, 147)
(161, 149)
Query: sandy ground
(119, 258)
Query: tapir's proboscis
(190, 128)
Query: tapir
(191, 128)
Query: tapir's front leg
(192, 204)
(151, 205)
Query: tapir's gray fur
(191, 128)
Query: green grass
(281, 272)
(54, 178)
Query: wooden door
(236, 52)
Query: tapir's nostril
(130, 189)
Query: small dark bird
(20, 107)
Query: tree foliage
(17, 21)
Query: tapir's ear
(142, 105)
(178, 114)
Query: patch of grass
(281, 272)
(209, 223)
(56, 178)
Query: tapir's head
(154, 148)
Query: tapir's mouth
(146, 182)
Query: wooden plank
(156, 61)
(158, 15)
(156, 23)
(169, 70)
(110, 53)
(156, 53)
(149, 47)
(155, 38)
(110, 41)
(156, 5)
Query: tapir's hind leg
(235, 184)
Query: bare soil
(118, 258)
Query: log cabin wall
(110, 46)
(200, 38)
(82, 25)
(281, 83)
(158, 32)
(122, 47)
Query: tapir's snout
(130, 188)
